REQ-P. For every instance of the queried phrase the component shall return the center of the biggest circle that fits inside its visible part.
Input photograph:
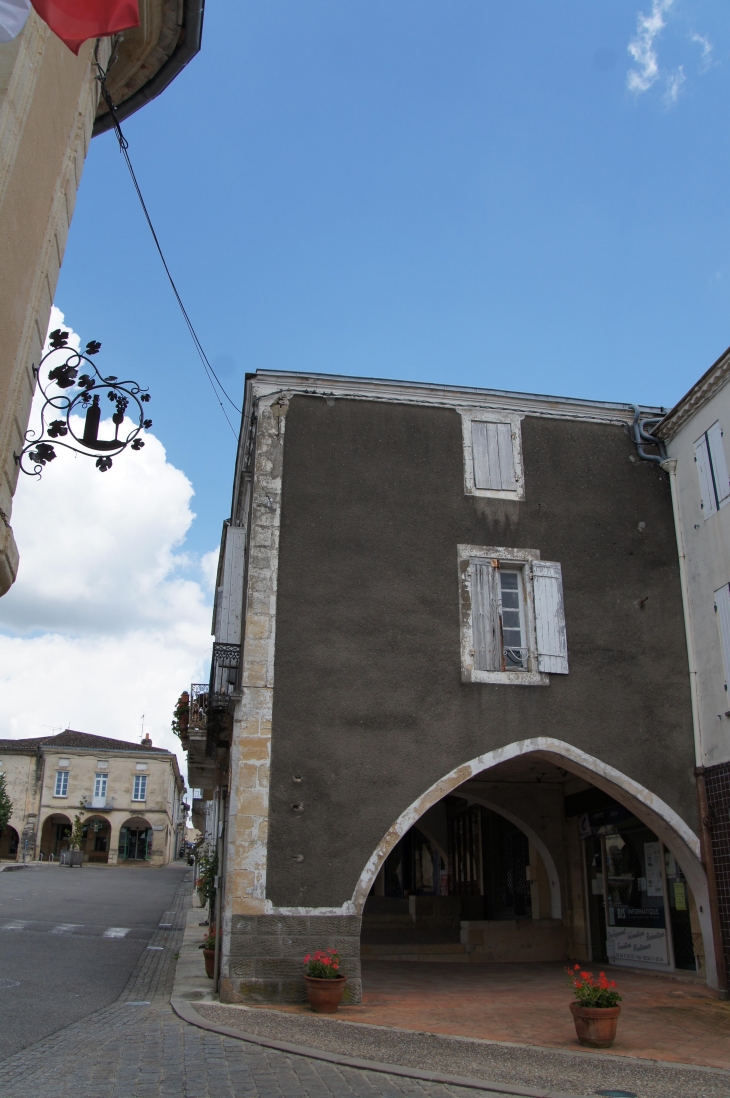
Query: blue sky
(467, 192)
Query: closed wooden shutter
(722, 606)
(229, 598)
(486, 625)
(552, 642)
(707, 490)
(493, 454)
(719, 464)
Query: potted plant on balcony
(208, 948)
(325, 984)
(595, 1009)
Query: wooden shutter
(493, 455)
(552, 643)
(719, 465)
(722, 606)
(487, 633)
(707, 491)
(229, 598)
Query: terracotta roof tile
(70, 738)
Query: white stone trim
(488, 415)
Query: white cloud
(641, 48)
(706, 46)
(674, 83)
(108, 618)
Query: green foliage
(323, 965)
(207, 869)
(77, 835)
(6, 805)
(181, 715)
(590, 992)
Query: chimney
(146, 741)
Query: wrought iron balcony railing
(223, 674)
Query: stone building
(129, 796)
(449, 707)
(49, 111)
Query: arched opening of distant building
(135, 840)
(8, 844)
(55, 835)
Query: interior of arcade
(527, 862)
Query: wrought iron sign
(81, 395)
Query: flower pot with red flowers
(208, 948)
(325, 984)
(595, 1009)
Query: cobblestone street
(138, 1048)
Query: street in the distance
(69, 941)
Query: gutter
(184, 52)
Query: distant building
(132, 797)
(449, 710)
(696, 433)
(50, 108)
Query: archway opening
(96, 838)
(135, 840)
(529, 861)
(9, 841)
(55, 835)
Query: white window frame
(140, 785)
(101, 781)
(61, 783)
(488, 415)
(526, 559)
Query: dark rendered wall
(369, 707)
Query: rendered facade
(449, 708)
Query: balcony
(223, 674)
(102, 802)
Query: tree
(6, 805)
(77, 835)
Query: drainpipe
(219, 890)
(669, 465)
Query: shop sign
(595, 823)
(635, 943)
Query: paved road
(137, 1047)
(70, 940)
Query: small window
(61, 789)
(100, 783)
(140, 787)
(712, 471)
(512, 616)
(492, 454)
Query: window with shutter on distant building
(712, 471)
(492, 454)
(512, 614)
(722, 609)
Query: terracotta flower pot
(325, 995)
(209, 955)
(595, 1026)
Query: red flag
(75, 21)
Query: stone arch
(131, 828)
(52, 841)
(676, 835)
(9, 842)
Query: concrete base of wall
(509, 940)
(265, 958)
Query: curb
(185, 1010)
(11, 866)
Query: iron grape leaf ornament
(69, 397)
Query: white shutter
(719, 464)
(552, 643)
(722, 605)
(707, 492)
(487, 646)
(493, 456)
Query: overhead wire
(124, 149)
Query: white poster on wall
(653, 856)
(628, 943)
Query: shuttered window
(712, 470)
(722, 606)
(501, 634)
(552, 644)
(493, 456)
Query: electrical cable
(124, 149)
